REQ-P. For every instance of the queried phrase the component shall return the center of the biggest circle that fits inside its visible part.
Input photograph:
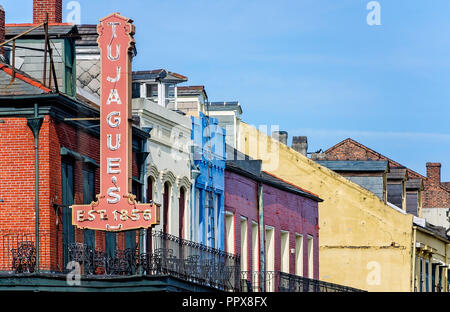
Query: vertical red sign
(116, 208)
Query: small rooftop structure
(225, 106)
(158, 74)
(355, 165)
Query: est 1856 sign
(116, 208)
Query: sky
(314, 68)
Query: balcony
(188, 265)
(275, 281)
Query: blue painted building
(208, 171)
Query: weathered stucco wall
(363, 242)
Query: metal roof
(21, 85)
(158, 74)
(88, 35)
(355, 165)
(191, 90)
(225, 106)
(232, 103)
(53, 30)
(397, 174)
(414, 184)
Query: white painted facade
(437, 216)
(168, 160)
(230, 121)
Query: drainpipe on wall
(195, 173)
(413, 276)
(445, 279)
(142, 159)
(262, 244)
(35, 125)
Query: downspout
(446, 271)
(262, 244)
(35, 125)
(142, 156)
(413, 272)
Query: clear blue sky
(313, 67)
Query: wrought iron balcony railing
(275, 281)
(165, 255)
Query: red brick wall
(17, 186)
(52, 7)
(349, 151)
(433, 195)
(434, 172)
(295, 214)
(241, 198)
(282, 210)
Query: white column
(161, 94)
(175, 94)
(143, 91)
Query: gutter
(30, 97)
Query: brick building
(426, 198)
(68, 156)
(272, 224)
(435, 193)
(68, 167)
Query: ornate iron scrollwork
(24, 258)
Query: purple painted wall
(283, 210)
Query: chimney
(281, 136)
(2, 28)
(434, 172)
(52, 7)
(300, 144)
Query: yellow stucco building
(364, 243)
(431, 255)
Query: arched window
(150, 187)
(149, 197)
(182, 204)
(166, 206)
